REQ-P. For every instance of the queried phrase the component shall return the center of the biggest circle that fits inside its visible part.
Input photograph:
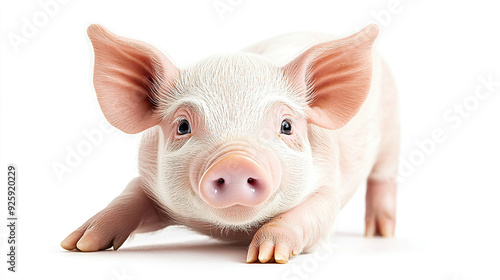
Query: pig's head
(233, 146)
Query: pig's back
(355, 146)
(282, 49)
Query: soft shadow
(202, 249)
(349, 234)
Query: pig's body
(296, 205)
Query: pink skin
(235, 179)
(351, 129)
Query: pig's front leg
(131, 211)
(297, 229)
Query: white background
(448, 210)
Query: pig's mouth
(239, 215)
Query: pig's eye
(286, 127)
(183, 128)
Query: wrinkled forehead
(234, 88)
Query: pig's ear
(336, 77)
(128, 76)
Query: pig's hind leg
(380, 216)
(131, 211)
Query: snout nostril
(220, 181)
(250, 180)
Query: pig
(263, 146)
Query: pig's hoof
(381, 224)
(106, 229)
(273, 243)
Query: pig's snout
(235, 179)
